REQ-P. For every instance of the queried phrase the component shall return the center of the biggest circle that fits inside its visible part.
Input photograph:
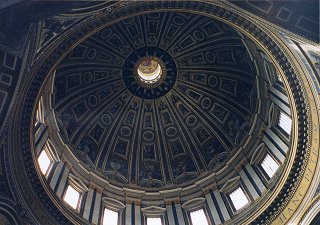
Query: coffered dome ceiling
(191, 122)
(163, 108)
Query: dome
(163, 106)
(160, 112)
(189, 124)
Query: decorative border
(312, 212)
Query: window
(72, 197)
(46, 159)
(74, 192)
(39, 112)
(285, 122)
(44, 162)
(269, 165)
(110, 217)
(198, 217)
(238, 198)
(154, 221)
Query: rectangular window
(238, 198)
(198, 217)
(154, 221)
(110, 217)
(44, 162)
(72, 197)
(39, 112)
(269, 165)
(285, 122)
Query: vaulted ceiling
(169, 134)
(129, 139)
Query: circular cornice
(299, 95)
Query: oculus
(150, 71)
